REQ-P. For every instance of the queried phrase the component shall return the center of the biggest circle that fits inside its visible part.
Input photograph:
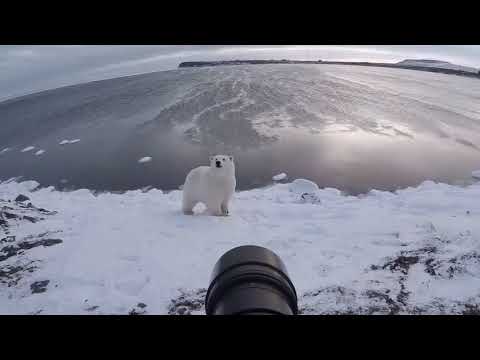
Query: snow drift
(413, 251)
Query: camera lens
(250, 280)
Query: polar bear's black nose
(219, 164)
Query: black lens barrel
(250, 280)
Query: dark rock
(7, 239)
(11, 275)
(401, 263)
(9, 270)
(50, 242)
(10, 215)
(135, 312)
(181, 310)
(12, 250)
(21, 198)
(39, 286)
(392, 306)
(430, 266)
(47, 211)
(471, 309)
(187, 302)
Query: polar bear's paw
(224, 210)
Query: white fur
(211, 185)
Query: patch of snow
(476, 174)
(40, 152)
(279, 177)
(5, 150)
(412, 250)
(28, 148)
(145, 159)
(301, 186)
(65, 142)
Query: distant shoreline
(321, 62)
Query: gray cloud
(27, 69)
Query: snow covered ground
(413, 251)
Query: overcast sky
(27, 69)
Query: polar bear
(212, 185)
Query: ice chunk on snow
(29, 148)
(145, 159)
(476, 174)
(279, 177)
(4, 150)
(65, 142)
(39, 152)
(302, 186)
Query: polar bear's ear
(231, 158)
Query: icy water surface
(352, 128)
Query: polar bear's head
(222, 162)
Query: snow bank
(476, 174)
(413, 251)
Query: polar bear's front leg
(224, 208)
